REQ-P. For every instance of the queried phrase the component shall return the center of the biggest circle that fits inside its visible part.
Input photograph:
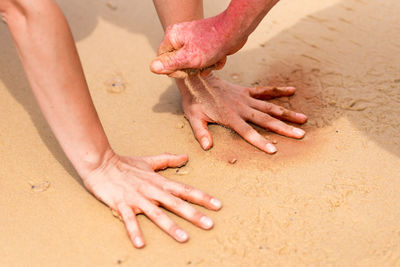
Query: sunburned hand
(211, 100)
(129, 186)
(196, 45)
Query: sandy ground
(331, 199)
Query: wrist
(91, 162)
(242, 17)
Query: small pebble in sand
(397, 81)
(235, 76)
(40, 187)
(111, 5)
(182, 171)
(180, 125)
(274, 141)
(122, 260)
(232, 160)
(116, 84)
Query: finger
(170, 41)
(206, 72)
(269, 92)
(170, 62)
(131, 224)
(278, 111)
(220, 64)
(217, 66)
(192, 195)
(179, 74)
(201, 132)
(252, 136)
(165, 46)
(183, 209)
(163, 221)
(275, 125)
(166, 160)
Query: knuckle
(268, 107)
(143, 187)
(187, 189)
(173, 27)
(156, 213)
(176, 202)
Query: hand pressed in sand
(212, 100)
(130, 185)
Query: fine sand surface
(332, 199)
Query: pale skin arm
(217, 101)
(188, 46)
(128, 185)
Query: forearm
(48, 54)
(176, 11)
(243, 16)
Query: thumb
(170, 62)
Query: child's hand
(129, 186)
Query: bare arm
(203, 43)
(210, 97)
(128, 185)
(48, 54)
(177, 11)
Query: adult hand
(200, 45)
(211, 100)
(129, 186)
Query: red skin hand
(130, 186)
(211, 100)
(196, 45)
(203, 44)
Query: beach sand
(331, 199)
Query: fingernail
(271, 148)
(138, 242)
(182, 235)
(205, 143)
(206, 222)
(298, 132)
(157, 66)
(216, 203)
(301, 116)
(290, 88)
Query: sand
(331, 199)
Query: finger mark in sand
(355, 105)
(40, 187)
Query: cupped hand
(130, 185)
(199, 45)
(211, 100)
